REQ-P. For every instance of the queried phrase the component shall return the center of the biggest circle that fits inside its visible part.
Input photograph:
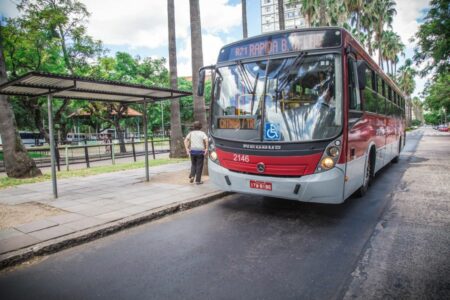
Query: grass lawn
(6, 182)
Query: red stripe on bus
(274, 165)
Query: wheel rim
(367, 175)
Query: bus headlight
(213, 155)
(333, 151)
(327, 163)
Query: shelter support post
(147, 175)
(52, 144)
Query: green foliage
(437, 94)
(433, 39)
(432, 118)
(416, 123)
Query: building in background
(269, 16)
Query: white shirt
(196, 139)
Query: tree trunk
(197, 63)
(244, 18)
(322, 13)
(281, 14)
(197, 60)
(17, 162)
(176, 136)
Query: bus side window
(369, 95)
(353, 90)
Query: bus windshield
(279, 100)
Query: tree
(49, 36)
(433, 39)
(356, 7)
(281, 14)
(244, 18)
(383, 13)
(197, 59)
(407, 84)
(176, 137)
(437, 95)
(308, 8)
(17, 162)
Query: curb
(55, 245)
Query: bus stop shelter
(36, 84)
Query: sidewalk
(407, 257)
(89, 207)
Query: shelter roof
(35, 84)
(80, 113)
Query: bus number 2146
(241, 158)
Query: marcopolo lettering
(261, 147)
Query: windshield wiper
(253, 94)
(244, 76)
(298, 59)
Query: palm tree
(17, 162)
(407, 84)
(367, 24)
(356, 7)
(281, 14)
(383, 12)
(308, 8)
(197, 59)
(322, 13)
(176, 136)
(244, 18)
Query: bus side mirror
(362, 66)
(201, 82)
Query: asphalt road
(244, 247)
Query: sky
(139, 27)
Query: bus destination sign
(281, 43)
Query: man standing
(196, 144)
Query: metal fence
(67, 155)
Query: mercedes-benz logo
(260, 167)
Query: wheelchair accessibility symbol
(272, 132)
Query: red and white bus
(301, 114)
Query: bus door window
(353, 90)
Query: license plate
(260, 185)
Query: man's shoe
(201, 182)
(191, 179)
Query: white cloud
(405, 22)
(143, 23)
(406, 25)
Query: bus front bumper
(325, 187)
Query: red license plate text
(260, 185)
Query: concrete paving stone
(144, 200)
(84, 223)
(17, 242)
(134, 209)
(52, 232)
(36, 225)
(115, 215)
(8, 233)
(81, 207)
(65, 218)
(63, 204)
(95, 211)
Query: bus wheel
(395, 159)
(367, 177)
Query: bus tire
(395, 159)
(368, 174)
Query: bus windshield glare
(279, 100)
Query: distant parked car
(443, 128)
